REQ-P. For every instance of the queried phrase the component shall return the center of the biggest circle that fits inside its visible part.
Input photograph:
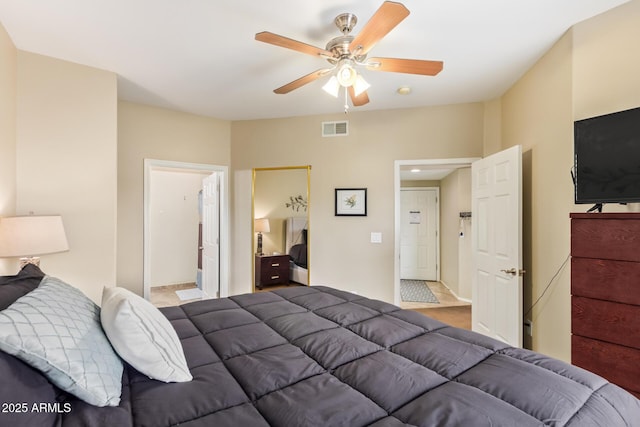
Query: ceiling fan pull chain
(346, 101)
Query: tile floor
(165, 296)
(444, 295)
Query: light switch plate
(376, 237)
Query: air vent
(335, 128)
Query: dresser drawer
(616, 363)
(606, 321)
(606, 236)
(274, 274)
(603, 279)
(272, 270)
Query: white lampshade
(332, 87)
(360, 85)
(261, 225)
(28, 236)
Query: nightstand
(271, 270)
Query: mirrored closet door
(280, 226)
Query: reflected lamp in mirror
(261, 225)
(29, 236)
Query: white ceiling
(200, 56)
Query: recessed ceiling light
(415, 170)
(404, 90)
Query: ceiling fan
(346, 52)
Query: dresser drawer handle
(275, 277)
(275, 265)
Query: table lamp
(261, 225)
(29, 236)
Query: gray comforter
(316, 356)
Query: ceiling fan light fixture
(360, 85)
(332, 87)
(347, 75)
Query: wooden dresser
(605, 296)
(271, 270)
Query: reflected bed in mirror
(280, 197)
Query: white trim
(455, 294)
(153, 164)
(397, 164)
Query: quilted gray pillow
(56, 329)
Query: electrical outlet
(528, 327)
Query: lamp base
(35, 260)
(259, 248)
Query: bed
(296, 248)
(318, 356)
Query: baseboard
(455, 294)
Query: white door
(418, 234)
(496, 226)
(211, 236)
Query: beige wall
(455, 197)
(590, 71)
(492, 126)
(66, 163)
(8, 69)
(156, 133)
(606, 64)
(465, 242)
(449, 222)
(340, 252)
(537, 114)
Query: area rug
(187, 294)
(416, 291)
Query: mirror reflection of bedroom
(280, 207)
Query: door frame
(397, 165)
(153, 164)
(437, 225)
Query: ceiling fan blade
(384, 20)
(409, 66)
(359, 100)
(302, 81)
(288, 43)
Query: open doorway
(173, 200)
(451, 263)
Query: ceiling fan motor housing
(345, 22)
(339, 46)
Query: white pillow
(143, 336)
(56, 329)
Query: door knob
(514, 271)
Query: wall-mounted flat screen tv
(607, 158)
